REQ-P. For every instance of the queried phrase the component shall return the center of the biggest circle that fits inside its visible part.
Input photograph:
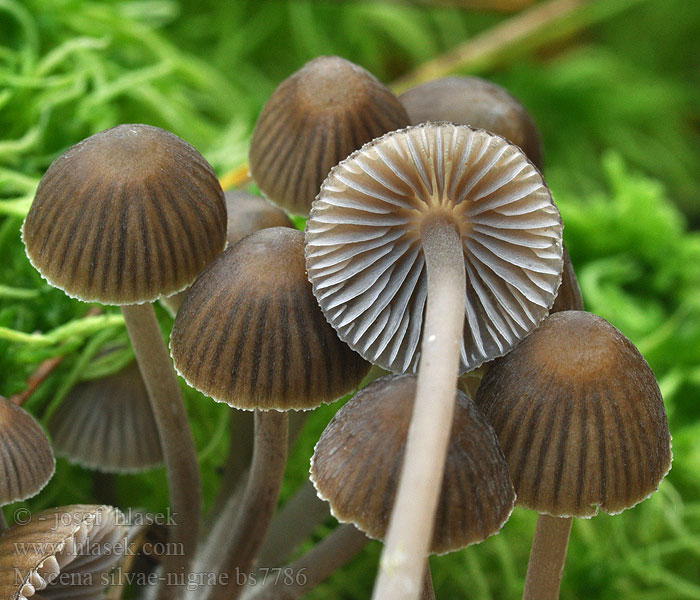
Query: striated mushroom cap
(478, 103)
(364, 250)
(357, 461)
(313, 120)
(107, 424)
(580, 418)
(64, 552)
(125, 216)
(250, 332)
(26, 462)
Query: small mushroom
(250, 334)
(124, 217)
(313, 120)
(65, 552)
(581, 421)
(107, 424)
(478, 103)
(26, 459)
(438, 245)
(357, 461)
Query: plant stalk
(403, 560)
(547, 557)
(175, 437)
(258, 503)
(303, 513)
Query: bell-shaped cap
(357, 462)
(26, 458)
(251, 334)
(364, 249)
(125, 216)
(478, 103)
(579, 416)
(107, 424)
(64, 552)
(313, 120)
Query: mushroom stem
(547, 557)
(303, 513)
(258, 503)
(174, 432)
(410, 529)
(315, 566)
(428, 589)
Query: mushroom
(250, 334)
(107, 424)
(581, 421)
(440, 237)
(26, 459)
(357, 460)
(65, 552)
(569, 293)
(312, 121)
(478, 103)
(124, 217)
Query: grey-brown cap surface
(63, 552)
(125, 216)
(478, 103)
(579, 416)
(569, 293)
(357, 461)
(364, 242)
(107, 424)
(26, 458)
(248, 213)
(251, 334)
(313, 120)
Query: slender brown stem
(3, 523)
(240, 451)
(547, 557)
(428, 589)
(258, 503)
(303, 513)
(305, 573)
(175, 438)
(411, 524)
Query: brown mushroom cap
(364, 242)
(107, 424)
(478, 103)
(569, 293)
(62, 553)
(357, 461)
(248, 213)
(125, 216)
(250, 332)
(313, 120)
(579, 416)
(26, 459)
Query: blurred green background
(614, 86)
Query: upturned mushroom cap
(26, 459)
(125, 216)
(250, 332)
(62, 553)
(107, 424)
(580, 418)
(478, 103)
(357, 461)
(313, 120)
(364, 248)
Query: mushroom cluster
(432, 249)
